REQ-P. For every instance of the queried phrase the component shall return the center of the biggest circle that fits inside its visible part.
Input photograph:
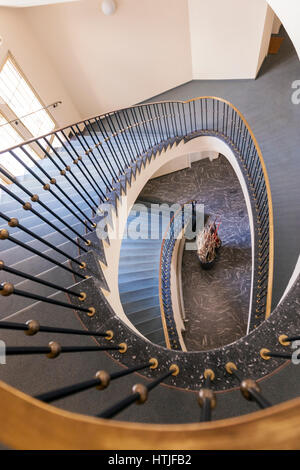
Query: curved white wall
(115, 232)
(144, 49)
(293, 279)
(229, 39)
(288, 11)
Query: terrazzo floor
(216, 301)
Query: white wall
(276, 25)
(226, 37)
(30, 3)
(288, 11)
(34, 62)
(108, 62)
(95, 63)
(293, 279)
(268, 28)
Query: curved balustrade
(176, 228)
(88, 163)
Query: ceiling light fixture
(108, 7)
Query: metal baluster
(14, 222)
(206, 397)
(32, 327)
(38, 280)
(47, 187)
(27, 206)
(139, 394)
(94, 184)
(54, 349)
(101, 381)
(249, 388)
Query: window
(21, 115)
(8, 138)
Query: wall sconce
(108, 7)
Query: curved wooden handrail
(162, 310)
(27, 423)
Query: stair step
(51, 236)
(134, 285)
(156, 336)
(130, 308)
(140, 244)
(55, 274)
(134, 295)
(34, 264)
(138, 268)
(144, 315)
(136, 306)
(10, 255)
(43, 230)
(37, 188)
(34, 309)
(14, 208)
(145, 274)
(150, 326)
(136, 261)
(14, 303)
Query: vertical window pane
(19, 96)
(8, 138)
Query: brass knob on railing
(109, 335)
(53, 181)
(264, 354)
(207, 394)
(55, 350)
(104, 379)
(63, 172)
(13, 222)
(33, 327)
(27, 206)
(283, 340)
(4, 234)
(246, 386)
(175, 369)
(153, 363)
(35, 198)
(123, 348)
(6, 289)
(209, 373)
(230, 366)
(46, 187)
(82, 296)
(92, 311)
(142, 391)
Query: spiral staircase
(100, 306)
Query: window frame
(21, 128)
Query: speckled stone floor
(216, 301)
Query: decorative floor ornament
(208, 244)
